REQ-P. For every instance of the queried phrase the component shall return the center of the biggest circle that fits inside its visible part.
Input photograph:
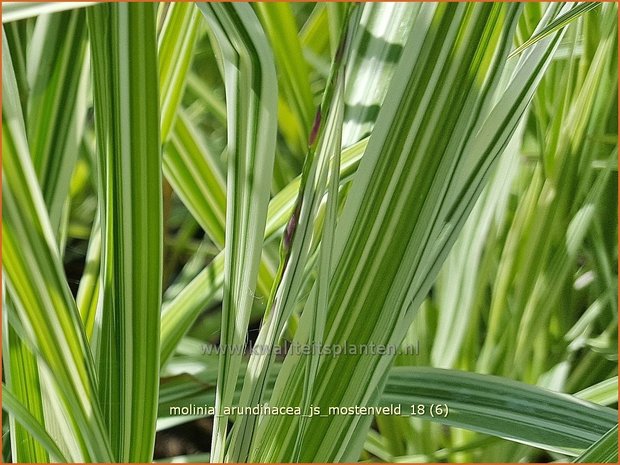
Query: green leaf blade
(124, 51)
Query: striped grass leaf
(376, 49)
(251, 101)
(442, 32)
(13, 11)
(186, 173)
(18, 35)
(175, 44)
(603, 393)
(46, 312)
(124, 51)
(605, 450)
(502, 407)
(175, 48)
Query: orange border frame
(303, 1)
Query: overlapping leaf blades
(251, 94)
(45, 312)
(378, 280)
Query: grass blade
(124, 51)
(605, 450)
(603, 393)
(21, 374)
(502, 407)
(194, 177)
(555, 25)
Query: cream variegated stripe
(34, 277)
(175, 46)
(251, 100)
(124, 52)
(375, 51)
